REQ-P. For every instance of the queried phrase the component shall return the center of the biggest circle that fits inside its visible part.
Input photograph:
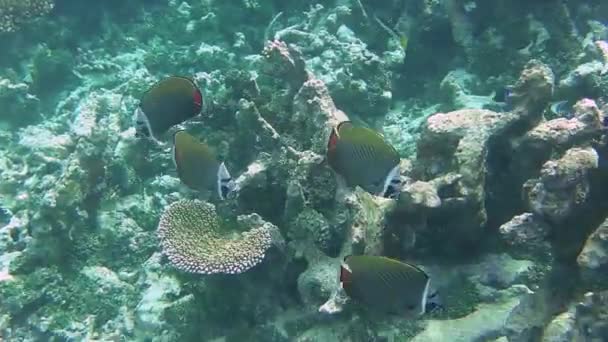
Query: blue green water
(478, 157)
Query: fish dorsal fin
(366, 136)
(416, 268)
(343, 125)
(182, 137)
(407, 264)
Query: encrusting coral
(190, 234)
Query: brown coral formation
(593, 258)
(563, 185)
(461, 143)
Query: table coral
(191, 236)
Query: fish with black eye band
(168, 102)
(363, 158)
(198, 167)
(388, 285)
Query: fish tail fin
(433, 301)
(392, 183)
(226, 186)
(142, 126)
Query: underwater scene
(311, 170)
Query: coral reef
(15, 13)
(593, 258)
(19, 105)
(562, 186)
(503, 201)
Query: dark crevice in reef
(220, 299)
(554, 293)
(507, 168)
(450, 234)
(506, 175)
(29, 309)
(268, 202)
(568, 237)
(504, 180)
(292, 272)
(414, 77)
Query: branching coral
(15, 12)
(190, 237)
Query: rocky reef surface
(504, 202)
